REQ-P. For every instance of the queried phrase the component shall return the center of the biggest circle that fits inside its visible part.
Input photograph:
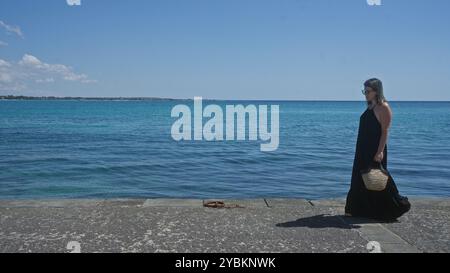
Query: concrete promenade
(185, 225)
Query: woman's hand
(378, 157)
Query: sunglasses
(366, 91)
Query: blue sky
(225, 49)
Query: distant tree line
(14, 97)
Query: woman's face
(369, 93)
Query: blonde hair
(377, 86)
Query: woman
(371, 148)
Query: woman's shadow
(330, 221)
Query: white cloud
(5, 76)
(73, 2)
(8, 79)
(3, 43)
(30, 70)
(12, 29)
(4, 63)
(45, 80)
(65, 72)
(29, 60)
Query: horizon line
(25, 97)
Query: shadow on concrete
(328, 221)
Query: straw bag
(375, 177)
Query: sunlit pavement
(185, 225)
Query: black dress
(387, 204)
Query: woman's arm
(385, 116)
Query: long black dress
(387, 204)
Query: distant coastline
(12, 97)
(21, 97)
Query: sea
(125, 149)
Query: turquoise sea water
(103, 149)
